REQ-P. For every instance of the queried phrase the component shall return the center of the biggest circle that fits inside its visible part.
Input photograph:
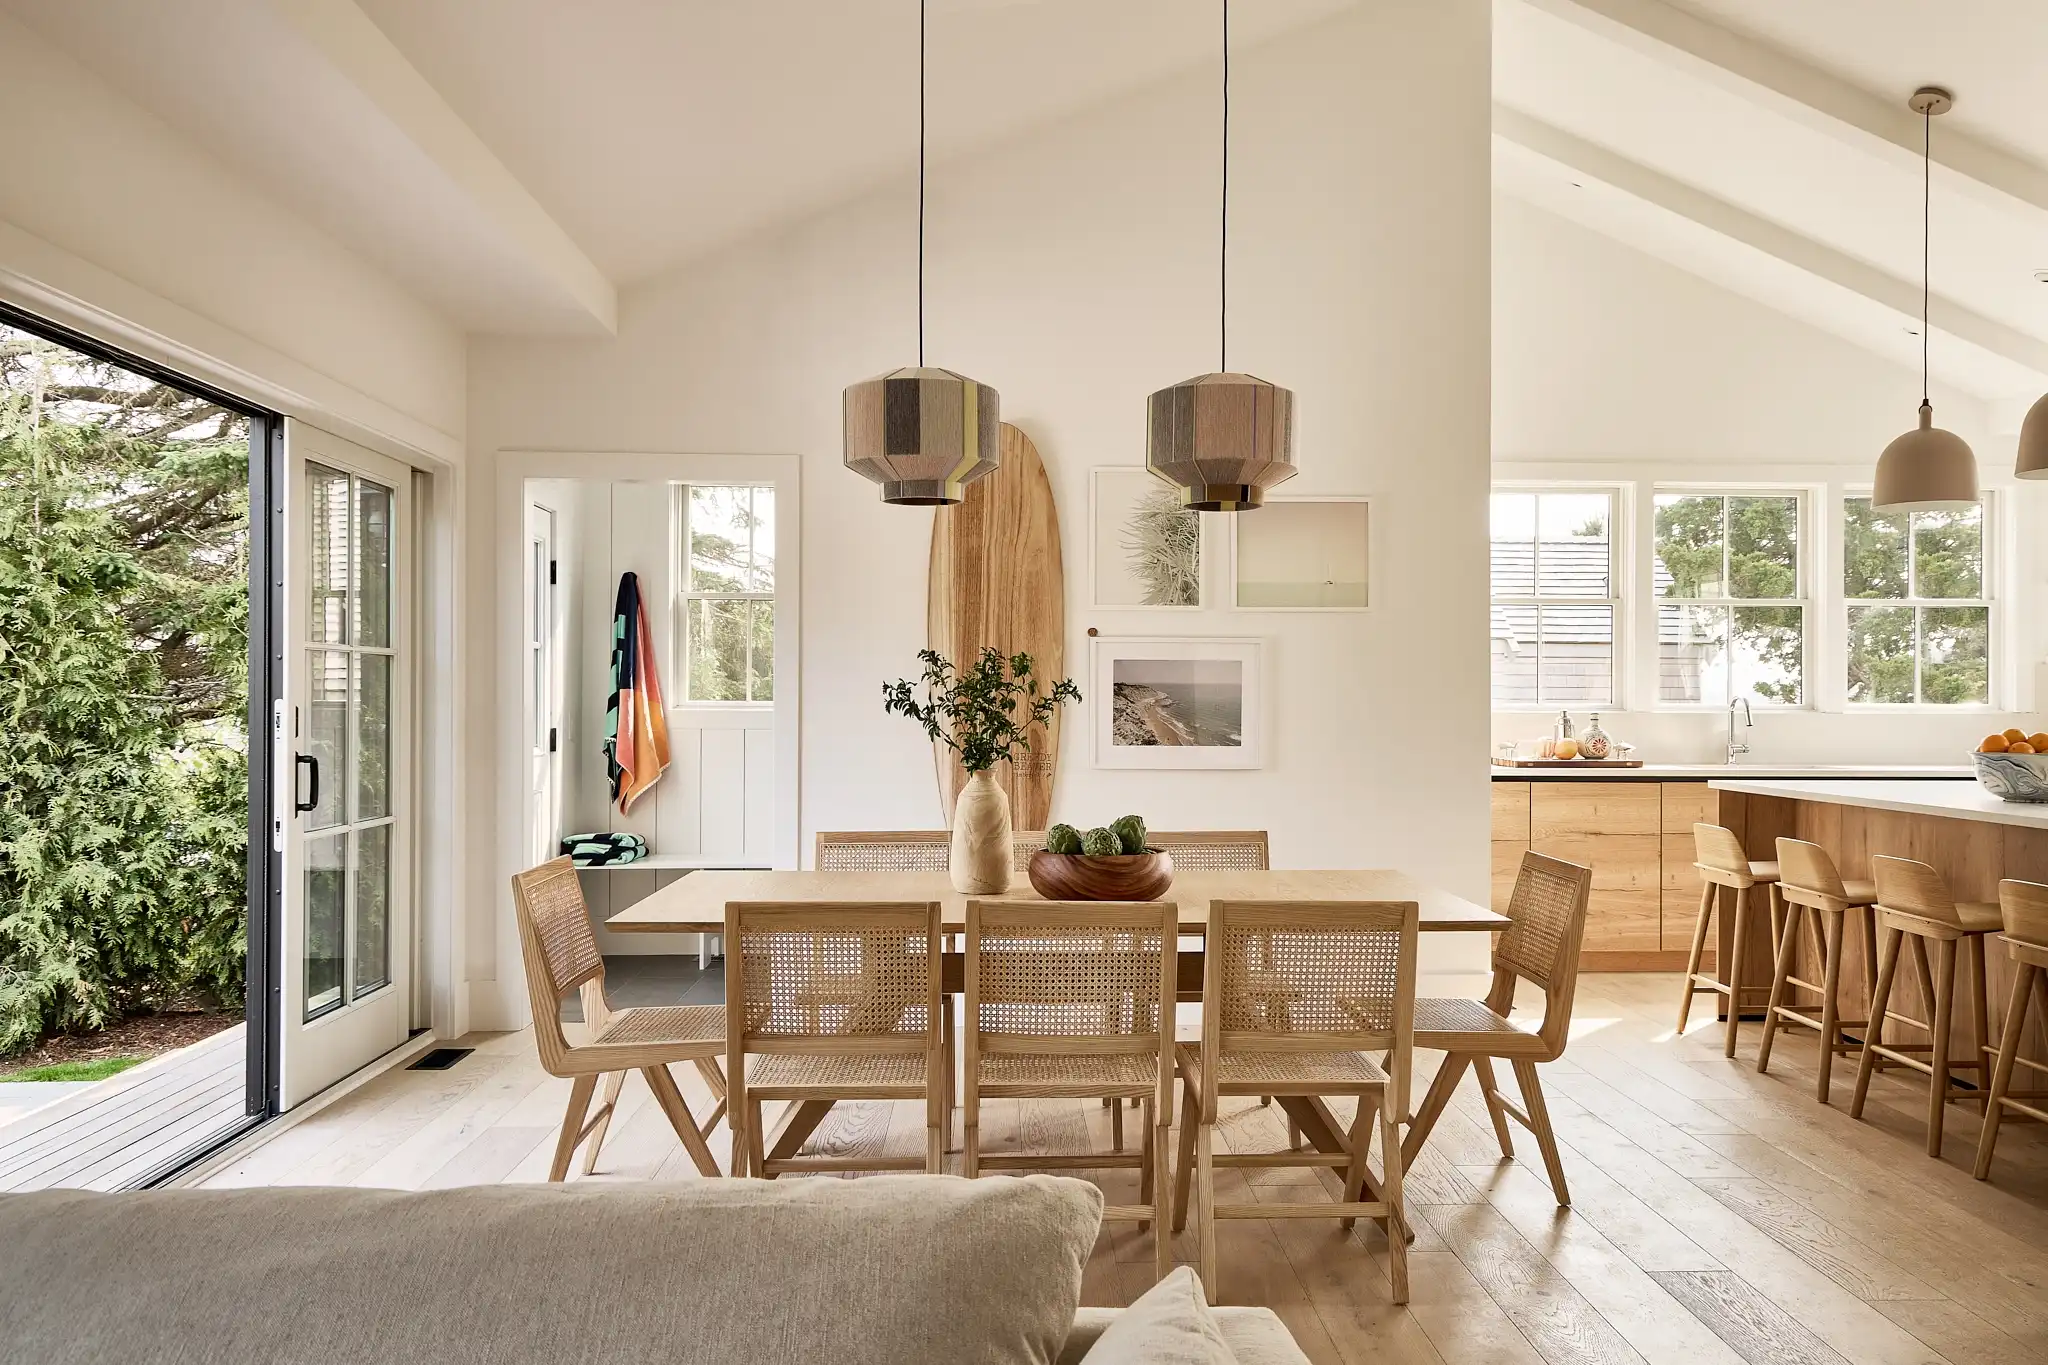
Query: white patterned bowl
(2015, 777)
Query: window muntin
(727, 602)
(1729, 578)
(1919, 612)
(1555, 601)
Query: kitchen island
(1968, 835)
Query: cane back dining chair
(560, 955)
(884, 850)
(1728, 875)
(1299, 1000)
(828, 1002)
(1816, 902)
(1074, 1000)
(2025, 909)
(1916, 917)
(1546, 926)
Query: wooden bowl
(1123, 877)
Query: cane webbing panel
(1069, 981)
(1433, 1015)
(550, 898)
(1299, 1068)
(665, 1024)
(1319, 980)
(868, 979)
(1134, 1072)
(810, 1071)
(1223, 851)
(1545, 915)
(908, 851)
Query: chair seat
(1085, 1074)
(1468, 1026)
(1855, 891)
(1861, 891)
(888, 1075)
(1286, 1073)
(665, 1024)
(1980, 917)
(1764, 872)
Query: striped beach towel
(635, 726)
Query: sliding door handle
(312, 800)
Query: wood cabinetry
(1637, 838)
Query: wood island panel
(1614, 808)
(1626, 910)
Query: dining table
(695, 904)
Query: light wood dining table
(695, 904)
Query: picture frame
(1165, 703)
(1141, 556)
(1306, 553)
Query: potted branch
(984, 713)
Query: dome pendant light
(1223, 438)
(923, 434)
(1928, 469)
(2033, 462)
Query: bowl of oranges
(2014, 766)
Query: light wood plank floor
(1719, 1216)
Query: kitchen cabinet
(1510, 838)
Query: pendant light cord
(920, 180)
(1223, 236)
(1926, 236)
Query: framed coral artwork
(1145, 549)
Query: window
(1731, 621)
(1554, 598)
(728, 594)
(1919, 615)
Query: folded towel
(604, 848)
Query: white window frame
(686, 595)
(1806, 570)
(1990, 543)
(1619, 530)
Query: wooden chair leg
(607, 1105)
(1788, 946)
(1397, 1208)
(1699, 949)
(1146, 1156)
(1116, 1124)
(1734, 966)
(1205, 1199)
(1880, 1005)
(1184, 1169)
(1359, 1141)
(757, 1155)
(1832, 931)
(1482, 1067)
(580, 1091)
(1433, 1104)
(2008, 1052)
(1162, 1184)
(1980, 1016)
(1538, 1110)
(1944, 1018)
(671, 1100)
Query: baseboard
(1639, 962)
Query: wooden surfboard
(996, 581)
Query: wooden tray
(1568, 763)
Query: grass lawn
(96, 1070)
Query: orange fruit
(2022, 748)
(2015, 736)
(2040, 742)
(1994, 744)
(1567, 748)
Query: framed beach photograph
(1145, 549)
(1303, 554)
(1177, 703)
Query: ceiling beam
(351, 41)
(1816, 98)
(1761, 234)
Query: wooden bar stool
(1816, 899)
(2025, 907)
(1914, 909)
(1730, 874)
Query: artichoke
(1130, 832)
(1063, 839)
(1101, 843)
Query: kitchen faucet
(1748, 720)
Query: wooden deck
(131, 1126)
(1720, 1217)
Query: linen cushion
(1256, 1336)
(889, 1268)
(1170, 1324)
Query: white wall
(1074, 269)
(1612, 366)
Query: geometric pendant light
(1927, 469)
(1222, 438)
(922, 434)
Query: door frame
(511, 1008)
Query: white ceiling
(516, 161)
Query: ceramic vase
(981, 856)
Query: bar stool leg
(1880, 1004)
(2008, 1050)
(1830, 1000)
(1699, 947)
(1944, 1018)
(1735, 970)
(1788, 942)
(1980, 1016)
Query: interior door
(543, 691)
(344, 754)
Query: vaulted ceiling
(516, 162)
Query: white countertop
(1681, 771)
(1954, 800)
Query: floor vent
(441, 1058)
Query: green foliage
(123, 648)
(1162, 542)
(1130, 832)
(1101, 843)
(1063, 839)
(730, 641)
(975, 711)
(96, 1070)
(1732, 549)
(1902, 654)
